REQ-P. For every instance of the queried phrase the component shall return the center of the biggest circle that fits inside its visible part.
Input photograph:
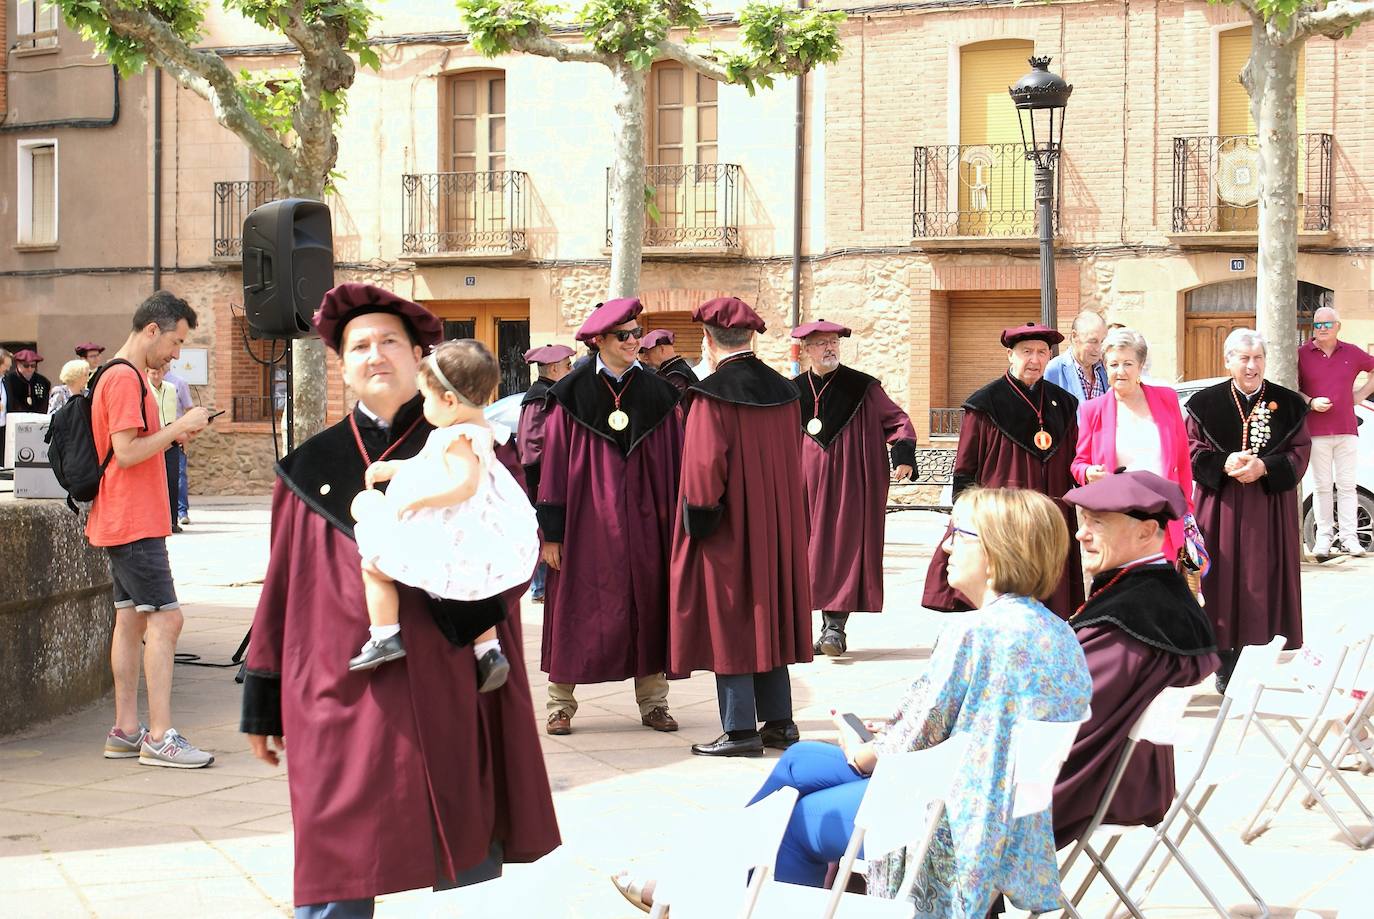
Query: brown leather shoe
(560, 722)
(659, 719)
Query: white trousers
(1334, 458)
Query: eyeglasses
(1323, 325)
(960, 531)
(27, 364)
(627, 334)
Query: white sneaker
(174, 751)
(1321, 549)
(1353, 548)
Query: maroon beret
(27, 356)
(608, 315)
(729, 313)
(821, 326)
(1140, 494)
(1030, 331)
(86, 347)
(346, 302)
(548, 354)
(657, 337)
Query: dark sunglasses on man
(1323, 325)
(624, 335)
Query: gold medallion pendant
(618, 420)
(1043, 440)
(813, 427)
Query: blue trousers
(338, 909)
(745, 699)
(541, 572)
(823, 818)
(183, 496)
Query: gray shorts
(142, 576)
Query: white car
(1364, 469)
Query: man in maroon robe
(554, 363)
(741, 603)
(608, 487)
(1142, 632)
(1019, 431)
(657, 351)
(848, 420)
(462, 786)
(1249, 443)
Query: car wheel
(1364, 521)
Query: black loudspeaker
(288, 265)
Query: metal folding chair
(725, 861)
(902, 807)
(1038, 751)
(1303, 696)
(1255, 665)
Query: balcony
(462, 216)
(698, 209)
(1216, 189)
(234, 201)
(974, 196)
(946, 422)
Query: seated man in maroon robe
(554, 363)
(1250, 447)
(461, 786)
(849, 421)
(656, 351)
(1019, 431)
(1141, 631)
(607, 494)
(741, 589)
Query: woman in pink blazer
(1135, 426)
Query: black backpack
(71, 440)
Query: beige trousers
(650, 692)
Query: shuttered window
(976, 321)
(688, 341)
(474, 130)
(1233, 102)
(987, 119)
(36, 25)
(37, 193)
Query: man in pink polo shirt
(1327, 369)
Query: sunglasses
(29, 364)
(627, 334)
(1323, 325)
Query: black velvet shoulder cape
(1010, 414)
(1153, 605)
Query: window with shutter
(990, 162)
(36, 26)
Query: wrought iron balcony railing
(253, 408)
(233, 202)
(697, 205)
(464, 213)
(985, 190)
(946, 422)
(1216, 183)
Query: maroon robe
(608, 497)
(445, 791)
(1253, 590)
(996, 450)
(529, 433)
(845, 471)
(678, 371)
(1140, 636)
(741, 591)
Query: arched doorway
(1214, 311)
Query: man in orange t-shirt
(129, 520)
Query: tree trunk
(627, 181)
(1271, 76)
(309, 369)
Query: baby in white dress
(453, 522)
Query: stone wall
(56, 615)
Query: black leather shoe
(832, 643)
(724, 746)
(780, 737)
(492, 670)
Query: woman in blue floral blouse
(1009, 660)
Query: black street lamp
(1040, 98)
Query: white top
(1138, 445)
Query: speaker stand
(290, 398)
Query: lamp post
(1040, 98)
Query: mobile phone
(860, 730)
(214, 415)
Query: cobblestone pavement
(84, 836)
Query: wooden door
(976, 321)
(502, 325)
(1203, 338)
(683, 136)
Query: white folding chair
(902, 807)
(1302, 696)
(711, 869)
(1353, 735)
(1038, 751)
(1209, 772)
